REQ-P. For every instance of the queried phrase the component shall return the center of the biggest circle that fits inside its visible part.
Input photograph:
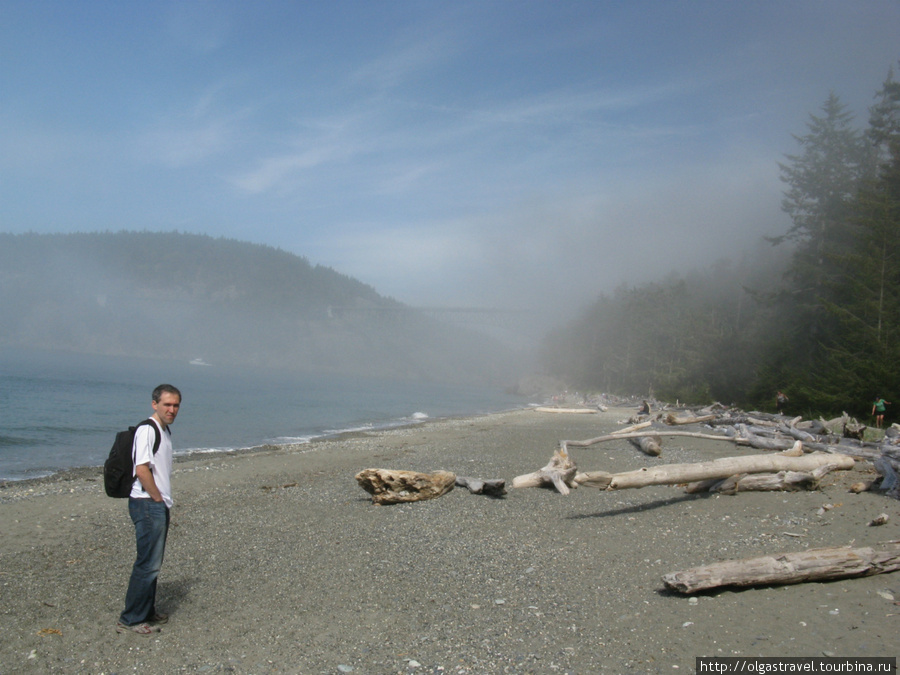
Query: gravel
(279, 563)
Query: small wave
(419, 416)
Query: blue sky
(483, 153)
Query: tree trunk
(788, 568)
(669, 474)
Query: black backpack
(118, 470)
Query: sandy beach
(279, 563)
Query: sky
(484, 153)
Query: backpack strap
(155, 431)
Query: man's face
(166, 408)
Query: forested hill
(180, 296)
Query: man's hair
(165, 388)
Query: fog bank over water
(227, 303)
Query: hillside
(181, 296)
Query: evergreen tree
(822, 183)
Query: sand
(279, 563)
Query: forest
(813, 312)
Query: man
(148, 505)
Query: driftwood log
(725, 467)
(560, 472)
(393, 487)
(785, 481)
(494, 487)
(571, 411)
(649, 445)
(789, 568)
(674, 420)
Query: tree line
(814, 312)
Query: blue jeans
(151, 526)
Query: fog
(459, 157)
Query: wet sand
(279, 563)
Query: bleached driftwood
(393, 487)
(560, 472)
(495, 487)
(574, 411)
(649, 445)
(789, 568)
(784, 481)
(669, 474)
(640, 434)
(674, 420)
(633, 428)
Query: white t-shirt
(160, 463)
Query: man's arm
(145, 474)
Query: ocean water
(60, 411)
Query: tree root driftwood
(394, 487)
(725, 467)
(820, 564)
(559, 472)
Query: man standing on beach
(148, 505)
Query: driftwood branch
(560, 472)
(789, 568)
(669, 474)
(656, 432)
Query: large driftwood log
(649, 445)
(789, 568)
(560, 472)
(673, 420)
(669, 474)
(574, 411)
(393, 487)
(784, 481)
(494, 487)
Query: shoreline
(279, 563)
(89, 472)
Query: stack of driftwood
(804, 451)
(797, 454)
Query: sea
(60, 410)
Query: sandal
(158, 617)
(144, 629)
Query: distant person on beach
(878, 411)
(645, 408)
(781, 400)
(148, 505)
